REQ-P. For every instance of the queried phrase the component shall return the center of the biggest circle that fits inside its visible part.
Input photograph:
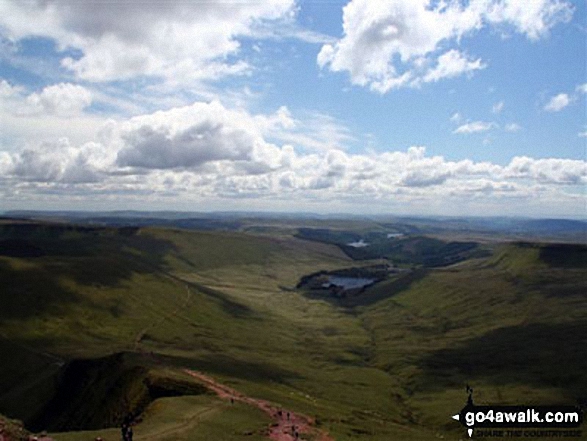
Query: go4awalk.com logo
(520, 421)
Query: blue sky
(403, 107)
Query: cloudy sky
(450, 107)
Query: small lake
(359, 244)
(347, 282)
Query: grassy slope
(220, 302)
(513, 327)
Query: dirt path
(286, 423)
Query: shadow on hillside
(229, 306)
(29, 292)
(27, 378)
(540, 355)
(564, 255)
(99, 393)
(391, 289)
(102, 257)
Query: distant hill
(507, 227)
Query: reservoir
(347, 282)
(359, 244)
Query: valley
(100, 322)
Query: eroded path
(287, 425)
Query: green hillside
(106, 318)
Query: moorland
(102, 315)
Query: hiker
(470, 398)
(288, 416)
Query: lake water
(347, 282)
(360, 244)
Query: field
(99, 322)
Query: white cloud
(551, 170)
(62, 99)
(474, 127)
(532, 18)
(387, 45)
(512, 127)
(131, 38)
(452, 64)
(497, 107)
(209, 152)
(313, 131)
(8, 91)
(558, 103)
(46, 115)
(456, 117)
(60, 162)
(581, 88)
(191, 136)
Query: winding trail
(286, 423)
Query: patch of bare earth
(286, 426)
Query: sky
(400, 107)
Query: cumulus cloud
(558, 103)
(559, 171)
(533, 19)
(474, 127)
(191, 136)
(63, 100)
(7, 90)
(387, 45)
(207, 150)
(452, 64)
(171, 39)
(60, 162)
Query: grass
(390, 367)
